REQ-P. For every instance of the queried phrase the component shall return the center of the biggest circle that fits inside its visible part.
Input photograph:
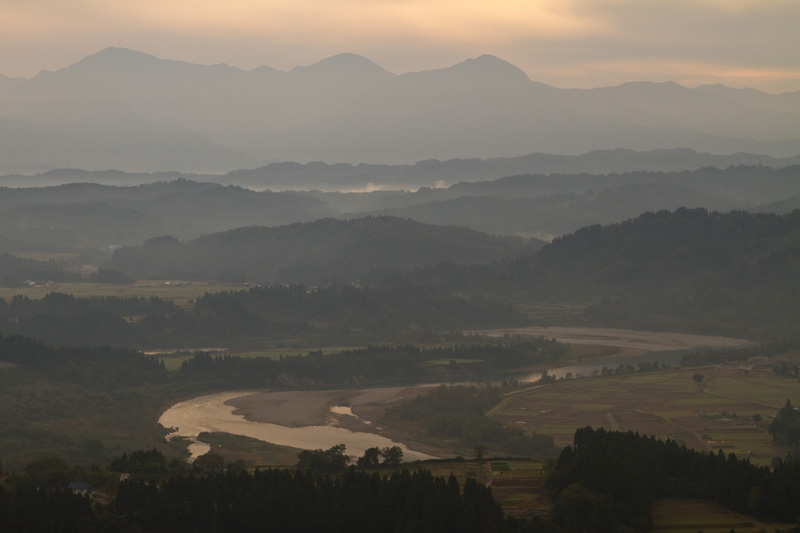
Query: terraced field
(719, 413)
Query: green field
(179, 292)
(689, 516)
(668, 404)
(254, 452)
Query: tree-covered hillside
(317, 252)
(735, 273)
(82, 215)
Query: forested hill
(736, 273)
(77, 215)
(316, 252)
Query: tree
(698, 378)
(480, 451)
(209, 463)
(371, 458)
(392, 455)
(321, 462)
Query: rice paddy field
(718, 413)
(180, 292)
(689, 516)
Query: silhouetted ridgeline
(556, 204)
(316, 252)
(81, 217)
(338, 109)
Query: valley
(593, 338)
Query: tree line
(372, 364)
(607, 481)
(333, 314)
(236, 500)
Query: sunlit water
(210, 413)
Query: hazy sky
(566, 43)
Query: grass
(253, 452)
(667, 404)
(683, 516)
(181, 294)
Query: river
(312, 420)
(212, 413)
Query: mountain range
(126, 110)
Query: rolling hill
(316, 252)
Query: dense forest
(323, 251)
(690, 270)
(236, 500)
(375, 363)
(608, 480)
(396, 311)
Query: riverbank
(651, 341)
(319, 419)
(359, 411)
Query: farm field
(180, 292)
(517, 484)
(684, 516)
(669, 404)
(173, 360)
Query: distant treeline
(375, 363)
(607, 481)
(335, 314)
(15, 271)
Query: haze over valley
(457, 292)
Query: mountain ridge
(346, 108)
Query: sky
(565, 43)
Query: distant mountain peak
(346, 63)
(489, 65)
(114, 55)
(119, 59)
(484, 68)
